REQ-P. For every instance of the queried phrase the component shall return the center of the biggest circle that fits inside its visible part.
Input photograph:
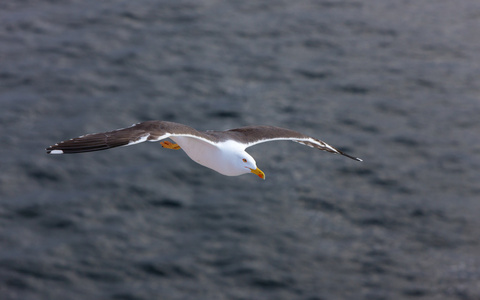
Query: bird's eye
(244, 160)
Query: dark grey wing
(138, 133)
(252, 135)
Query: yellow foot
(167, 144)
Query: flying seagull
(222, 151)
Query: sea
(394, 82)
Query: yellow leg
(169, 145)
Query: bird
(221, 151)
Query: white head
(230, 159)
(245, 162)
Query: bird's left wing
(252, 135)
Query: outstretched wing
(252, 135)
(146, 131)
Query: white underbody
(220, 158)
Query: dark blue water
(393, 82)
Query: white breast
(216, 157)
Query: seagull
(221, 151)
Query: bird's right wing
(146, 131)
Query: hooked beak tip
(258, 172)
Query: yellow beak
(258, 172)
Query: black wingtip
(349, 156)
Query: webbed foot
(169, 145)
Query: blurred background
(393, 82)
